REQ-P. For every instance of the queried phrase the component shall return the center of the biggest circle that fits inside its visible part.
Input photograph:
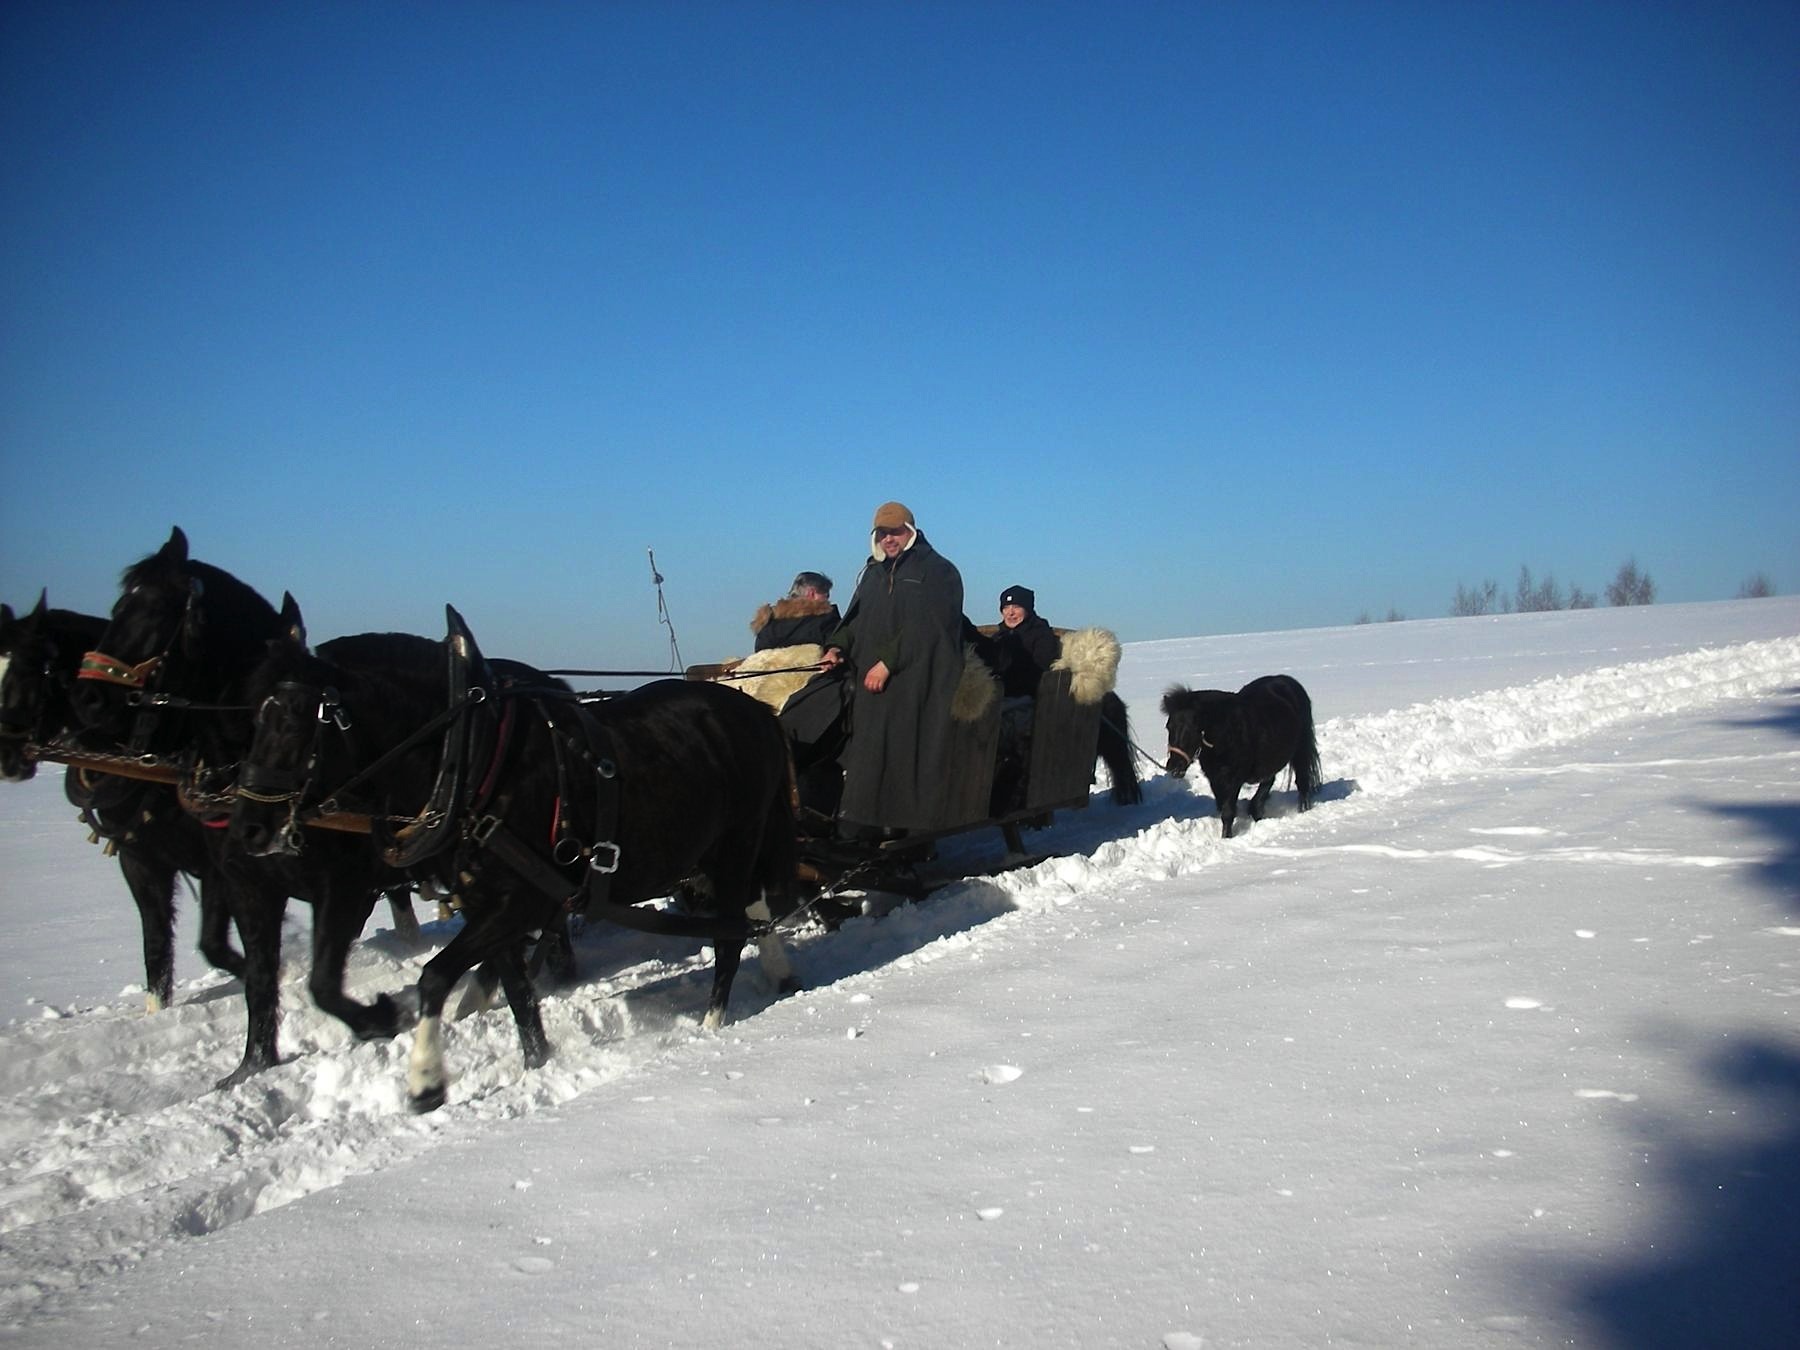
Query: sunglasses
(890, 531)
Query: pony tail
(1115, 751)
(1306, 765)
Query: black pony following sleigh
(1246, 737)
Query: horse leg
(770, 954)
(1225, 795)
(257, 911)
(406, 923)
(152, 886)
(427, 1079)
(478, 994)
(522, 998)
(1259, 801)
(555, 955)
(215, 929)
(728, 953)
(338, 918)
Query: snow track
(115, 1143)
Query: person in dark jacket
(902, 637)
(1023, 647)
(804, 615)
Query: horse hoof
(387, 1019)
(242, 1074)
(787, 986)
(422, 1103)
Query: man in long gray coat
(903, 636)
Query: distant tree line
(1535, 597)
(1632, 586)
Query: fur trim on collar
(788, 609)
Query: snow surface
(1497, 1046)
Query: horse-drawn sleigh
(383, 762)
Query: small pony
(1246, 737)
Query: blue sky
(1197, 318)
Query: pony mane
(1179, 698)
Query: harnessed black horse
(536, 805)
(142, 822)
(168, 675)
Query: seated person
(804, 615)
(1023, 647)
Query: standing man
(902, 635)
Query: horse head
(42, 651)
(181, 628)
(293, 694)
(1192, 715)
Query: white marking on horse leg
(477, 997)
(425, 1067)
(714, 1019)
(152, 1004)
(769, 951)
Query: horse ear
(6, 617)
(1171, 700)
(43, 604)
(175, 552)
(292, 624)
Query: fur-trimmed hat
(1020, 596)
(891, 516)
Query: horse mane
(74, 631)
(1179, 698)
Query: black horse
(142, 822)
(557, 807)
(170, 673)
(1246, 737)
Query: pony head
(1194, 716)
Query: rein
(431, 728)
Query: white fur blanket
(1091, 656)
(775, 690)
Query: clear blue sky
(1195, 317)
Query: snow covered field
(1498, 1046)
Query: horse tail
(1306, 754)
(1115, 751)
(778, 857)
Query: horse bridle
(1187, 755)
(96, 665)
(289, 787)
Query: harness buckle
(483, 829)
(608, 868)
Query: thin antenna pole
(662, 613)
